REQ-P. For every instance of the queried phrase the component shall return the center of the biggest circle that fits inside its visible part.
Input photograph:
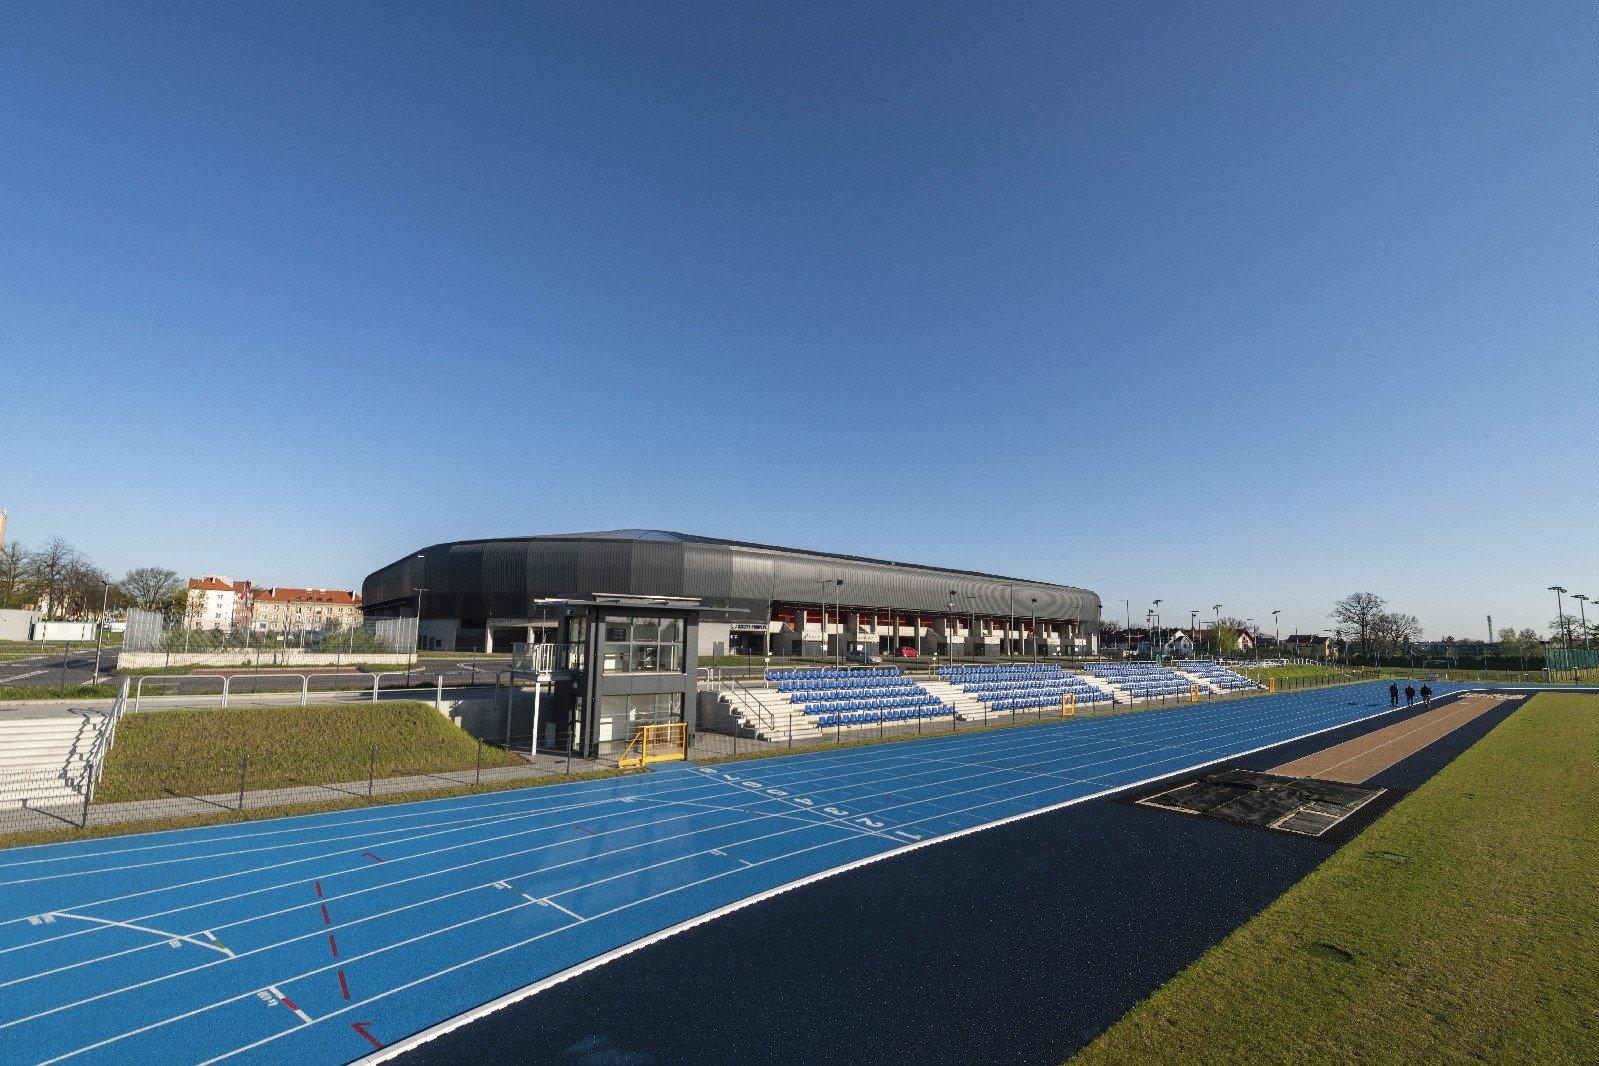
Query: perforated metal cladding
(501, 578)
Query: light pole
(827, 583)
(1193, 629)
(1010, 592)
(105, 595)
(1560, 618)
(1215, 630)
(1155, 641)
(1582, 602)
(1277, 630)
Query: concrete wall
(147, 660)
(17, 625)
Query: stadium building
(616, 622)
(751, 599)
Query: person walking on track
(1393, 695)
(1426, 696)
(1410, 695)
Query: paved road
(46, 668)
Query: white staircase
(46, 758)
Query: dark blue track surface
(321, 937)
(1015, 945)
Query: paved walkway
(54, 817)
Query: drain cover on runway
(1304, 805)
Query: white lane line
(548, 902)
(1032, 742)
(912, 836)
(408, 1043)
(162, 933)
(289, 1003)
(1272, 743)
(375, 951)
(411, 906)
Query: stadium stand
(1214, 675)
(1022, 686)
(839, 697)
(1135, 681)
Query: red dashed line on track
(360, 1027)
(344, 986)
(333, 945)
(289, 1003)
(318, 886)
(326, 918)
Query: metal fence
(143, 785)
(157, 631)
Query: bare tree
(84, 586)
(1394, 632)
(50, 565)
(150, 587)
(16, 576)
(1360, 611)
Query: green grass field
(1462, 927)
(1306, 672)
(199, 752)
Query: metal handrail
(747, 700)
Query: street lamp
(1277, 628)
(105, 595)
(827, 583)
(1583, 608)
(1034, 601)
(1560, 618)
(1215, 630)
(1155, 639)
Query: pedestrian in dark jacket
(1393, 695)
(1426, 695)
(1410, 695)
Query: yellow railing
(656, 743)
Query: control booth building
(750, 599)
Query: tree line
(1373, 628)
(65, 583)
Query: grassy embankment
(1461, 927)
(200, 752)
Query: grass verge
(201, 752)
(1458, 928)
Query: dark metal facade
(475, 581)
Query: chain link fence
(165, 631)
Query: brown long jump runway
(1364, 757)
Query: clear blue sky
(1250, 303)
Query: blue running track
(325, 938)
